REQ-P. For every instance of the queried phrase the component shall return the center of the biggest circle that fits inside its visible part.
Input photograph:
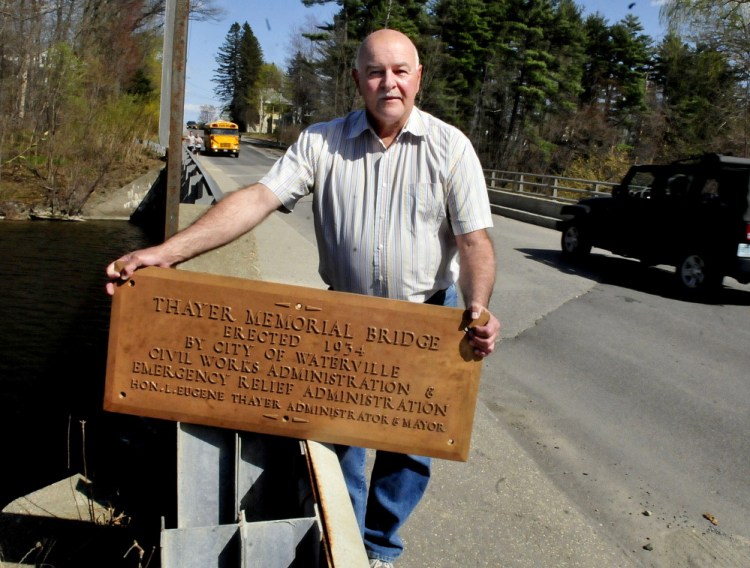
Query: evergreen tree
(567, 39)
(251, 63)
(618, 58)
(596, 81)
(227, 74)
(463, 29)
(633, 57)
(614, 86)
(239, 60)
(525, 78)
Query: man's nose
(389, 80)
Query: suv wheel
(573, 242)
(696, 273)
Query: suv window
(647, 184)
(710, 188)
(678, 186)
(642, 185)
(733, 188)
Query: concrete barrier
(534, 210)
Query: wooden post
(176, 60)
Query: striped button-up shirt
(385, 218)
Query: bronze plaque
(292, 361)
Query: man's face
(388, 78)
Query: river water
(53, 342)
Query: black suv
(691, 214)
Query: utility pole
(172, 103)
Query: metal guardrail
(558, 188)
(197, 186)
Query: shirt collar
(416, 124)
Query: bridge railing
(558, 188)
(534, 198)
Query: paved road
(612, 418)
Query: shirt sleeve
(292, 176)
(468, 202)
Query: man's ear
(355, 76)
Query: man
(400, 202)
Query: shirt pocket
(426, 203)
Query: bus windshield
(222, 131)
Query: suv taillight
(747, 232)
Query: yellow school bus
(221, 136)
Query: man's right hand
(123, 268)
(236, 214)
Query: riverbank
(23, 196)
(120, 203)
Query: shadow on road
(632, 274)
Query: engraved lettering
(308, 375)
(320, 410)
(259, 401)
(194, 342)
(161, 354)
(180, 373)
(274, 354)
(347, 397)
(419, 424)
(346, 364)
(298, 323)
(229, 363)
(261, 336)
(402, 338)
(193, 392)
(278, 387)
(420, 407)
(230, 348)
(144, 385)
(190, 308)
(372, 418)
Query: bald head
(386, 38)
(387, 75)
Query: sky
(274, 21)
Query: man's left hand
(483, 338)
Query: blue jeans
(397, 483)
